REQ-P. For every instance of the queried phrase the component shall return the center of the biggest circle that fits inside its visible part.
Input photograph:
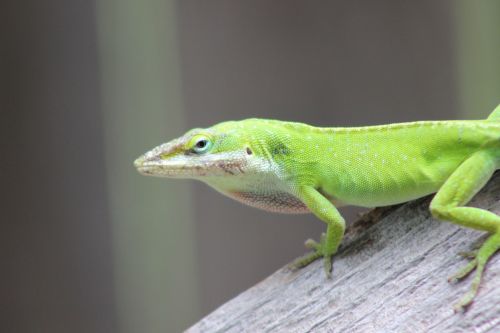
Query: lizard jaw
(185, 166)
(171, 168)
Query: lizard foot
(318, 252)
(480, 258)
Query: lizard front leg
(335, 227)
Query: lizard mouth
(162, 168)
(185, 167)
(146, 170)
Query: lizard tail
(495, 115)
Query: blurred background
(89, 245)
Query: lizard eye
(201, 144)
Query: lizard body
(297, 168)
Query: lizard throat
(278, 202)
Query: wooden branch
(390, 276)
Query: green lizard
(292, 167)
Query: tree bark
(389, 276)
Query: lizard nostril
(249, 151)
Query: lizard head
(221, 150)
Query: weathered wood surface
(390, 277)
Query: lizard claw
(312, 244)
(304, 260)
(463, 272)
(318, 252)
(327, 262)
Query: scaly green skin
(296, 168)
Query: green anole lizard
(292, 167)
